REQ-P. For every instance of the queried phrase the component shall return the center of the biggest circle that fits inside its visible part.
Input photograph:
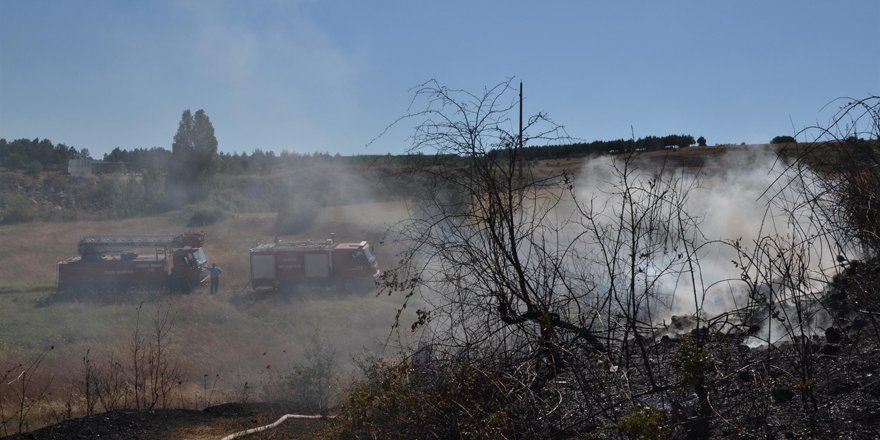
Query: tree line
(578, 149)
(26, 153)
(37, 154)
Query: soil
(168, 424)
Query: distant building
(79, 167)
(87, 167)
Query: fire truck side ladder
(93, 245)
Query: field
(236, 345)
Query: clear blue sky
(330, 75)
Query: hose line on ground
(273, 425)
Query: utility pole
(520, 142)
(520, 115)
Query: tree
(520, 275)
(193, 156)
(783, 140)
(701, 141)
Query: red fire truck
(345, 266)
(174, 262)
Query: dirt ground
(170, 424)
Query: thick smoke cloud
(748, 197)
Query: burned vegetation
(550, 311)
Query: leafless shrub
(208, 390)
(808, 283)
(110, 386)
(152, 374)
(145, 382)
(24, 387)
(87, 386)
(558, 293)
(837, 173)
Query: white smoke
(743, 196)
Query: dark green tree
(193, 156)
(701, 141)
(25, 153)
(783, 140)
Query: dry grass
(232, 338)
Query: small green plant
(313, 381)
(646, 423)
(805, 385)
(695, 362)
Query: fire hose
(272, 425)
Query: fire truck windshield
(199, 254)
(369, 254)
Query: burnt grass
(825, 386)
(762, 392)
(211, 423)
(765, 392)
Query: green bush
(18, 209)
(458, 398)
(695, 362)
(646, 423)
(295, 215)
(313, 382)
(204, 215)
(34, 168)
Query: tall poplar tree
(192, 163)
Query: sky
(330, 75)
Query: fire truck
(345, 266)
(173, 262)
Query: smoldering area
(740, 215)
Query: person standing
(169, 273)
(215, 277)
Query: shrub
(646, 423)
(295, 215)
(313, 381)
(18, 209)
(456, 398)
(783, 140)
(695, 362)
(35, 168)
(204, 215)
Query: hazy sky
(330, 75)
